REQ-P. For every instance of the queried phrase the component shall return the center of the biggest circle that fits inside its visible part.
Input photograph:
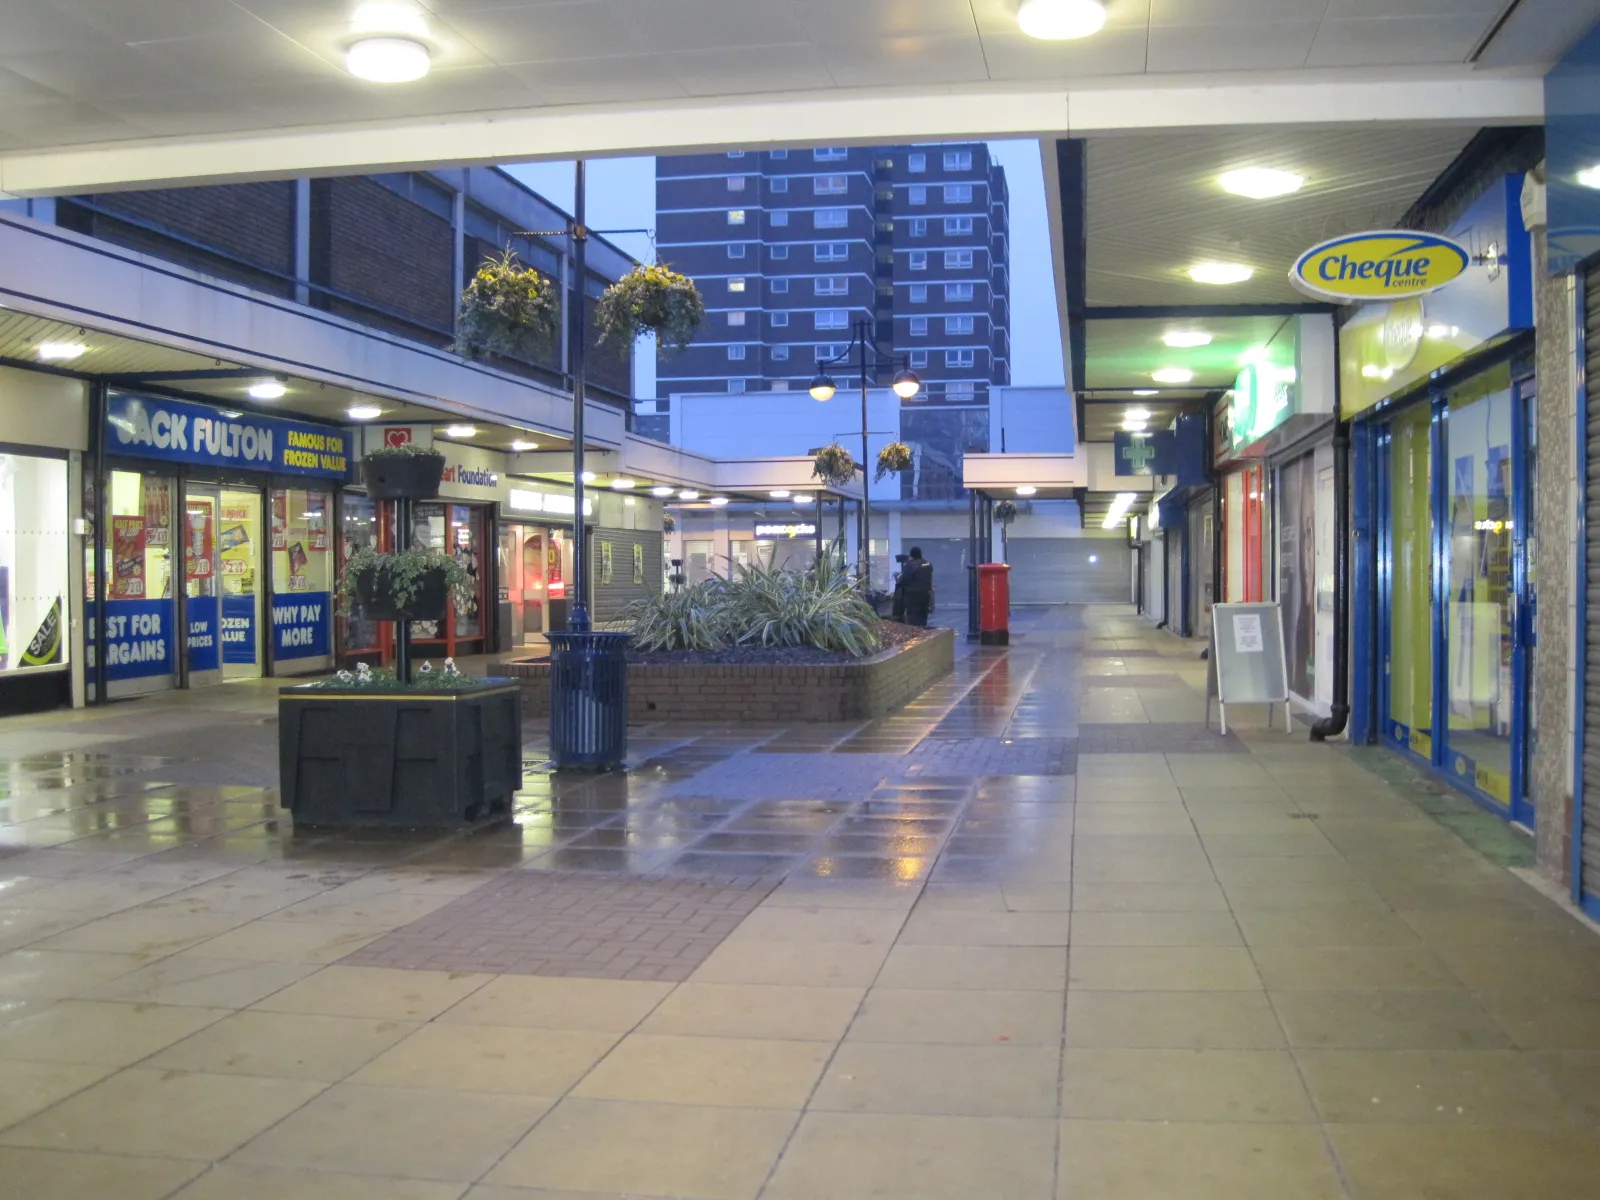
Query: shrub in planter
(363, 749)
(508, 309)
(410, 586)
(652, 299)
(893, 458)
(405, 472)
(834, 465)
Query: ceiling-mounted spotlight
(1061, 20)
(266, 389)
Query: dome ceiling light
(1061, 20)
(1260, 183)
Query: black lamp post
(863, 346)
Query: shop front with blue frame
(1441, 392)
(1447, 473)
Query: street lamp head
(907, 384)
(823, 387)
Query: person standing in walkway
(916, 581)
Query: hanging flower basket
(1005, 512)
(411, 585)
(893, 458)
(405, 472)
(834, 465)
(654, 300)
(669, 523)
(508, 309)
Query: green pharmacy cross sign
(1137, 453)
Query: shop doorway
(1454, 586)
(223, 585)
(535, 563)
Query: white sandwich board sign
(1247, 661)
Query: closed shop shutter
(948, 557)
(1175, 615)
(1155, 578)
(1060, 570)
(1590, 833)
(611, 596)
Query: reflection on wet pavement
(1036, 935)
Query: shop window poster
(605, 562)
(127, 557)
(202, 539)
(1297, 567)
(638, 563)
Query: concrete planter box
(400, 759)
(850, 691)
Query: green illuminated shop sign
(1265, 394)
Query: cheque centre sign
(1385, 265)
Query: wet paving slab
(1036, 935)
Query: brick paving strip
(574, 924)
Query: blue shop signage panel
(204, 653)
(139, 639)
(1179, 451)
(239, 630)
(300, 625)
(176, 431)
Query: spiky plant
(689, 618)
(819, 607)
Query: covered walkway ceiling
(95, 95)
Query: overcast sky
(622, 195)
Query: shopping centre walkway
(1039, 935)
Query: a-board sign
(1247, 661)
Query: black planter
(400, 759)
(374, 592)
(403, 476)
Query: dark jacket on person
(916, 580)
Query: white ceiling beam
(863, 116)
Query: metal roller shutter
(1070, 570)
(1590, 833)
(609, 597)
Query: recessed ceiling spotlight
(688, 494)
(1137, 414)
(1260, 183)
(61, 351)
(232, 414)
(1061, 20)
(1146, 392)
(1186, 339)
(588, 476)
(780, 494)
(661, 491)
(1589, 177)
(267, 389)
(364, 412)
(1026, 490)
(520, 447)
(1172, 375)
(388, 60)
(1220, 273)
(718, 501)
(622, 484)
(461, 431)
(1134, 424)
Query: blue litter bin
(588, 700)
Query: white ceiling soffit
(255, 88)
(1538, 31)
(1155, 207)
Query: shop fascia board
(862, 116)
(55, 273)
(1055, 471)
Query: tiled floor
(1037, 936)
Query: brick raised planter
(753, 692)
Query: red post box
(994, 604)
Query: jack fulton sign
(176, 431)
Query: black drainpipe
(1333, 724)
